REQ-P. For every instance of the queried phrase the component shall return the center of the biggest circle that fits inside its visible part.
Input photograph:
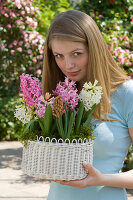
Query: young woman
(74, 47)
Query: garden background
(23, 28)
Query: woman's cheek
(60, 65)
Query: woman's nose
(69, 62)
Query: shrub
(47, 11)
(115, 20)
(21, 49)
(10, 128)
(128, 163)
(21, 46)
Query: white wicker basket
(57, 160)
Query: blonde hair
(77, 26)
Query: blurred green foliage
(9, 126)
(48, 10)
(128, 163)
(111, 10)
(29, 60)
(21, 46)
(115, 20)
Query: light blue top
(110, 148)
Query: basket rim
(41, 140)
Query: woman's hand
(94, 177)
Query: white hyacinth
(22, 114)
(90, 94)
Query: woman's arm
(124, 179)
(95, 178)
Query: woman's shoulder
(127, 102)
(128, 84)
(126, 87)
(123, 93)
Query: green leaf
(53, 127)
(66, 123)
(61, 126)
(70, 126)
(48, 119)
(33, 126)
(79, 116)
(89, 114)
(42, 124)
(28, 125)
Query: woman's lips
(73, 73)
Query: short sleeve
(128, 103)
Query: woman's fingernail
(85, 163)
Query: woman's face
(71, 58)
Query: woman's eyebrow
(71, 51)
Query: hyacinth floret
(23, 114)
(58, 106)
(31, 88)
(67, 90)
(90, 94)
(43, 102)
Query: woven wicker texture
(57, 161)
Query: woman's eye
(77, 53)
(58, 56)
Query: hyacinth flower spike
(90, 96)
(46, 119)
(65, 121)
(64, 124)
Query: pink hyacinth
(68, 91)
(42, 105)
(31, 88)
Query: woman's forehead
(66, 45)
